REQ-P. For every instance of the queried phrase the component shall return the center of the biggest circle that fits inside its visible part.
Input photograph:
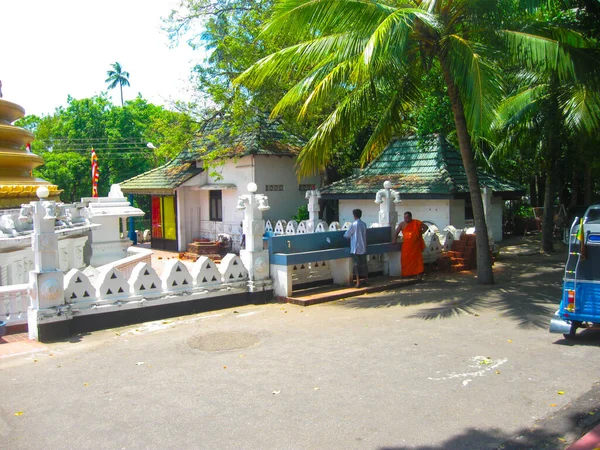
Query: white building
(430, 177)
(192, 201)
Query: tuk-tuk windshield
(593, 215)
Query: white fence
(14, 301)
(436, 241)
(111, 290)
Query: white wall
(188, 216)
(457, 213)
(277, 170)
(436, 211)
(496, 218)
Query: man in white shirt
(357, 233)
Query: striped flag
(581, 239)
(95, 174)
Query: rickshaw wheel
(572, 334)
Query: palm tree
(557, 99)
(369, 53)
(117, 76)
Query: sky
(50, 49)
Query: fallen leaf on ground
(86, 384)
(561, 392)
(497, 372)
(553, 404)
(509, 341)
(19, 413)
(224, 367)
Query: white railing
(14, 301)
(110, 290)
(436, 241)
(126, 265)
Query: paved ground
(447, 364)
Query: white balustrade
(14, 301)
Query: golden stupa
(17, 185)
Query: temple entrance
(164, 223)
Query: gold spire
(17, 185)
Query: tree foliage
(119, 136)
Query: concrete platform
(331, 292)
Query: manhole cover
(223, 341)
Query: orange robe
(412, 249)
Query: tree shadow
(527, 291)
(547, 434)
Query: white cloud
(52, 49)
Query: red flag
(28, 147)
(95, 174)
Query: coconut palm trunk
(485, 274)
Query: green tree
(118, 134)
(117, 77)
(555, 95)
(366, 54)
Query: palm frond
(581, 108)
(392, 33)
(541, 53)
(301, 57)
(350, 114)
(326, 16)
(478, 82)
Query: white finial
(252, 188)
(42, 192)
(387, 184)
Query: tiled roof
(427, 167)
(164, 179)
(260, 137)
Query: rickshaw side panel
(587, 301)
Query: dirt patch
(216, 342)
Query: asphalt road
(446, 364)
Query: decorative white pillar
(106, 241)
(387, 200)
(388, 217)
(313, 197)
(254, 256)
(46, 281)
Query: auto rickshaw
(580, 302)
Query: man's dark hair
(409, 214)
(357, 213)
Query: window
(216, 206)
(273, 187)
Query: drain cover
(214, 342)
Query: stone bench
(331, 246)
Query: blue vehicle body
(580, 301)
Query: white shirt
(357, 233)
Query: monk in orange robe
(412, 245)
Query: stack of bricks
(202, 247)
(462, 255)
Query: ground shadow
(527, 290)
(551, 433)
(587, 337)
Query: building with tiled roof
(190, 201)
(430, 177)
